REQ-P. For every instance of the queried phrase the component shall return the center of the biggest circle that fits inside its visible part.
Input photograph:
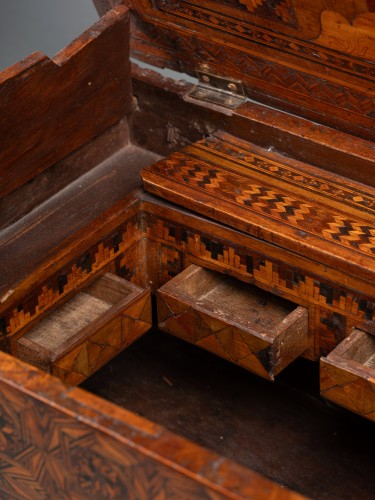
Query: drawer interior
(67, 321)
(362, 350)
(81, 310)
(241, 303)
(94, 325)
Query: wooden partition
(51, 107)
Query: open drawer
(237, 321)
(83, 334)
(347, 374)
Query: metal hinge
(218, 90)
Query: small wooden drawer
(237, 321)
(89, 330)
(347, 374)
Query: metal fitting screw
(232, 87)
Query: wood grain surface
(49, 108)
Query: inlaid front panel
(334, 307)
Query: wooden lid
(288, 203)
(314, 59)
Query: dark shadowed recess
(281, 429)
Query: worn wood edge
(346, 344)
(171, 285)
(25, 348)
(298, 313)
(349, 367)
(29, 63)
(23, 67)
(151, 440)
(293, 341)
(110, 277)
(258, 226)
(120, 12)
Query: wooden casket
(230, 207)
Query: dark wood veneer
(49, 109)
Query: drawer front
(347, 374)
(236, 321)
(89, 330)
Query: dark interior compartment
(283, 430)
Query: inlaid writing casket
(234, 212)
